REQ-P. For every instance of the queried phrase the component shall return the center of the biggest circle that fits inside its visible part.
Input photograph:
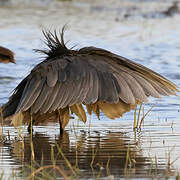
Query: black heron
(67, 80)
(6, 55)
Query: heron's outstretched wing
(91, 77)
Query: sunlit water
(98, 148)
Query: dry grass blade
(89, 126)
(139, 114)
(142, 119)
(107, 166)
(32, 151)
(152, 163)
(135, 125)
(93, 157)
(136, 118)
(174, 161)
(66, 160)
(128, 159)
(47, 167)
(169, 163)
(31, 127)
(1, 132)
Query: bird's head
(6, 55)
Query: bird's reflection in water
(107, 153)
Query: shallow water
(152, 41)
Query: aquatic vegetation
(137, 122)
(90, 156)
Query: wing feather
(147, 87)
(125, 93)
(107, 89)
(92, 94)
(31, 86)
(41, 99)
(59, 95)
(113, 111)
(77, 69)
(157, 86)
(52, 76)
(68, 95)
(79, 111)
(144, 71)
(62, 93)
(62, 75)
(34, 95)
(136, 89)
(83, 89)
(98, 79)
(76, 86)
(52, 94)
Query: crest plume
(56, 46)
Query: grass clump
(137, 122)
